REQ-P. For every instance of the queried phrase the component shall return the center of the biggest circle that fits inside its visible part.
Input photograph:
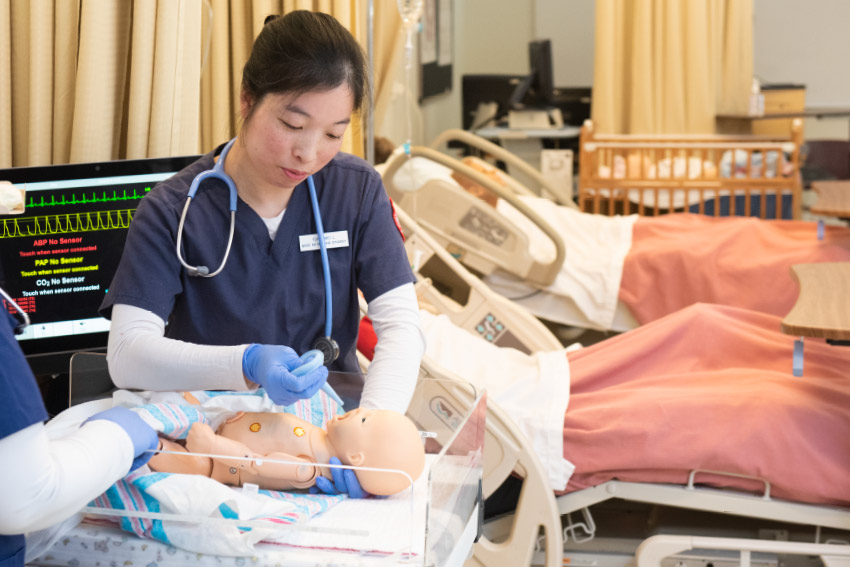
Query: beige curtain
(93, 80)
(670, 66)
(391, 102)
(229, 30)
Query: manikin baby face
(381, 439)
(355, 432)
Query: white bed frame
(444, 283)
(536, 533)
(439, 208)
(475, 233)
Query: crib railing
(719, 175)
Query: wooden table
(741, 123)
(833, 198)
(823, 305)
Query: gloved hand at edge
(143, 436)
(344, 482)
(272, 366)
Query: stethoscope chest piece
(328, 347)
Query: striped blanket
(197, 513)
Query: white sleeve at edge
(140, 356)
(392, 375)
(43, 481)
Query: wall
(570, 27)
(808, 43)
(491, 36)
(793, 41)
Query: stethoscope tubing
(217, 172)
(323, 250)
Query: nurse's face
(289, 137)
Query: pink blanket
(680, 259)
(710, 387)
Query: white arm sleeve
(43, 481)
(139, 356)
(392, 375)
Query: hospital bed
(611, 265)
(485, 240)
(592, 544)
(706, 174)
(435, 523)
(755, 527)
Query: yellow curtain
(228, 34)
(670, 66)
(75, 86)
(97, 80)
(391, 104)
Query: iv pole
(370, 113)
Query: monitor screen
(537, 89)
(58, 257)
(542, 88)
(478, 89)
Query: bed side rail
(443, 283)
(562, 195)
(654, 549)
(441, 208)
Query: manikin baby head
(382, 439)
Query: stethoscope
(20, 315)
(325, 344)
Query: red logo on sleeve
(395, 220)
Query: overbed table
(833, 198)
(822, 309)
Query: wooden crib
(708, 174)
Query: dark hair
(304, 51)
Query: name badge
(338, 239)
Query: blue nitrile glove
(344, 482)
(272, 366)
(144, 436)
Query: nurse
(44, 481)
(248, 325)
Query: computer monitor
(537, 90)
(479, 90)
(57, 259)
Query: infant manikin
(371, 438)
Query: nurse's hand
(344, 482)
(142, 435)
(271, 367)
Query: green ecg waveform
(84, 200)
(63, 224)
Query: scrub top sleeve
(381, 261)
(20, 399)
(148, 275)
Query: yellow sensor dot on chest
(299, 431)
(255, 427)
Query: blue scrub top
(269, 292)
(20, 406)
